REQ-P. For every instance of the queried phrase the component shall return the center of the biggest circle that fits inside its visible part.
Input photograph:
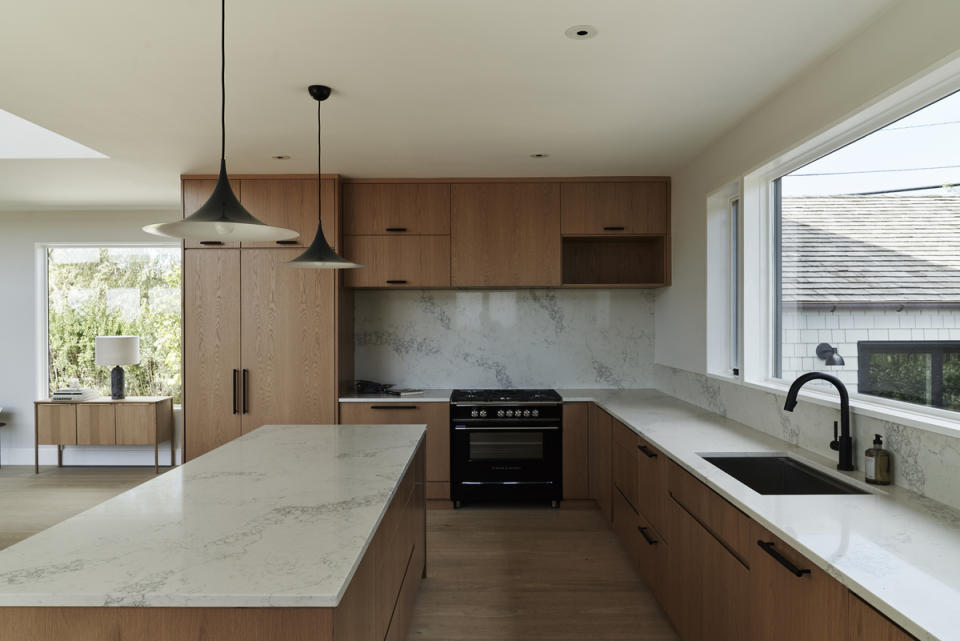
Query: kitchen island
(293, 532)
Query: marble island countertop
(897, 550)
(280, 517)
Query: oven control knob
(535, 413)
(500, 413)
(510, 413)
(474, 413)
(526, 412)
(483, 413)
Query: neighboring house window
(110, 291)
(923, 372)
(867, 249)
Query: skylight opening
(22, 139)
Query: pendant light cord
(223, 78)
(319, 172)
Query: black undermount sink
(780, 475)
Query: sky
(918, 150)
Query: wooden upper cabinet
(396, 208)
(505, 234)
(195, 192)
(615, 208)
(280, 203)
(398, 261)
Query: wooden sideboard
(135, 420)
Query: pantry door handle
(246, 392)
(646, 537)
(646, 450)
(236, 374)
(782, 560)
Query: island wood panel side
(164, 624)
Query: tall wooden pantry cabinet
(260, 338)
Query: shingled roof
(871, 249)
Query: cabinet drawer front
(724, 521)
(625, 454)
(644, 544)
(57, 424)
(281, 203)
(436, 416)
(401, 208)
(398, 261)
(652, 485)
(96, 424)
(612, 208)
(866, 624)
(136, 423)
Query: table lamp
(116, 351)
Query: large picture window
(109, 291)
(867, 271)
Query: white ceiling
(421, 87)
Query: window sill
(935, 420)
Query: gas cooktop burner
(505, 396)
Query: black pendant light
(222, 217)
(320, 255)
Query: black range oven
(506, 445)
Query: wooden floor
(531, 573)
(494, 574)
(32, 502)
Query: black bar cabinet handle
(613, 229)
(646, 450)
(767, 547)
(287, 242)
(393, 407)
(246, 392)
(236, 373)
(646, 537)
(211, 242)
(396, 282)
(396, 229)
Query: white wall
(899, 46)
(19, 359)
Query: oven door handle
(531, 428)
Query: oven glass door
(506, 453)
(504, 445)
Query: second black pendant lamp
(222, 217)
(320, 255)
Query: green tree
(111, 292)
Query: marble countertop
(280, 517)
(898, 551)
(428, 396)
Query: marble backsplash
(923, 461)
(506, 339)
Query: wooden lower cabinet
(576, 451)
(866, 624)
(96, 424)
(624, 462)
(601, 485)
(436, 416)
(791, 598)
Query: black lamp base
(116, 383)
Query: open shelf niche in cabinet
(635, 261)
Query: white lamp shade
(117, 350)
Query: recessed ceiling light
(581, 32)
(539, 155)
(281, 157)
(21, 138)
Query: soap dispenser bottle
(877, 463)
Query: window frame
(759, 309)
(42, 298)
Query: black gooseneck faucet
(843, 443)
